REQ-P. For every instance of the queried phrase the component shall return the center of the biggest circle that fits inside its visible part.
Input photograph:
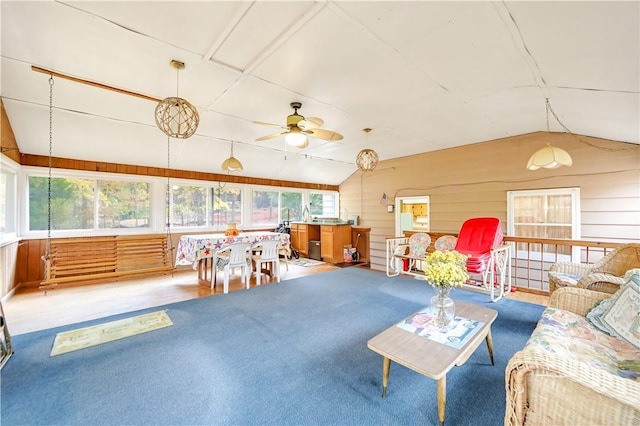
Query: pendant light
(549, 157)
(232, 164)
(175, 116)
(367, 159)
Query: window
(72, 203)
(323, 204)
(123, 204)
(544, 213)
(188, 206)
(87, 204)
(291, 206)
(264, 208)
(226, 206)
(8, 189)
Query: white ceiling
(424, 75)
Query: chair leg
(258, 272)
(226, 279)
(276, 266)
(247, 271)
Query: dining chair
(236, 255)
(267, 253)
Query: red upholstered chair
(480, 238)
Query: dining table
(197, 249)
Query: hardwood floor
(31, 309)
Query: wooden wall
(473, 181)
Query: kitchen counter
(333, 237)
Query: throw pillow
(622, 316)
(595, 314)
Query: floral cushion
(568, 280)
(567, 334)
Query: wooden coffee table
(429, 357)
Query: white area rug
(81, 338)
(305, 262)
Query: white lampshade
(296, 138)
(549, 157)
(232, 164)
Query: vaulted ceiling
(424, 75)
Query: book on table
(456, 334)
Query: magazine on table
(456, 334)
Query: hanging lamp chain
(48, 246)
(168, 206)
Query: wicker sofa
(605, 275)
(571, 373)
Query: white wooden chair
(234, 256)
(266, 252)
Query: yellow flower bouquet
(446, 268)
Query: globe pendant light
(175, 116)
(367, 159)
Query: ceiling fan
(299, 127)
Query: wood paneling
(8, 145)
(93, 166)
(473, 180)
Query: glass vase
(443, 307)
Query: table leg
(442, 398)
(201, 266)
(489, 340)
(386, 366)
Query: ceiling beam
(94, 84)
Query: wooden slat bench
(73, 260)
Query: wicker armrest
(571, 268)
(576, 300)
(599, 281)
(615, 400)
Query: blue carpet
(293, 353)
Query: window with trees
(323, 204)
(120, 204)
(188, 205)
(291, 206)
(264, 208)
(226, 206)
(84, 202)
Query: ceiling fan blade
(275, 135)
(310, 123)
(326, 135)
(262, 123)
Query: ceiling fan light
(549, 157)
(232, 164)
(296, 138)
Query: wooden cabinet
(303, 240)
(295, 238)
(301, 234)
(362, 243)
(419, 209)
(332, 242)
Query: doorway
(412, 214)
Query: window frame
(157, 207)
(573, 192)
(11, 211)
